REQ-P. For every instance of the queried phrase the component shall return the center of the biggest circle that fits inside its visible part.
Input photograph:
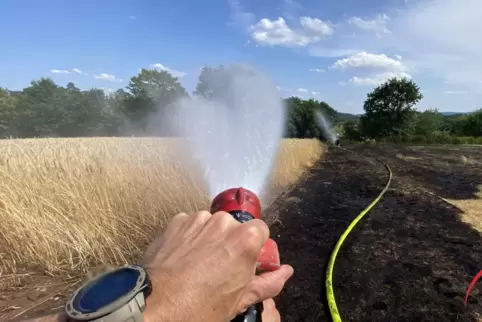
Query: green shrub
(437, 137)
(457, 140)
(419, 139)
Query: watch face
(106, 290)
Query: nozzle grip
(268, 260)
(252, 314)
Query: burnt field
(410, 259)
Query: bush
(438, 137)
(419, 139)
(441, 137)
(351, 131)
(458, 140)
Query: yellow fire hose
(330, 294)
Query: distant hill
(350, 117)
(342, 117)
(452, 113)
(15, 93)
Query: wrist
(159, 304)
(151, 312)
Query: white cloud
(437, 41)
(377, 79)
(331, 52)
(108, 77)
(434, 41)
(302, 90)
(132, 17)
(173, 72)
(442, 38)
(78, 71)
(278, 33)
(315, 93)
(378, 25)
(317, 70)
(65, 71)
(367, 60)
(283, 89)
(381, 66)
(455, 92)
(59, 71)
(316, 26)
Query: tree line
(390, 116)
(46, 109)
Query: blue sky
(335, 51)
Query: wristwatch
(115, 296)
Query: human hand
(203, 269)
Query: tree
(351, 130)
(116, 121)
(45, 108)
(40, 109)
(389, 108)
(427, 122)
(302, 122)
(7, 112)
(217, 83)
(470, 124)
(149, 93)
(212, 82)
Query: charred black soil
(410, 259)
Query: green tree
(389, 108)
(351, 130)
(302, 122)
(470, 124)
(116, 122)
(82, 111)
(149, 93)
(7, 112)
(217, 83)
(39, 110)
(212, 82)
(427, 122)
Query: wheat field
(68, 204)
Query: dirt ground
(410, 259)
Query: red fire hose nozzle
(244, 206)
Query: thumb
(266, 285)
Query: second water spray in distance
(326, 127)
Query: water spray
(327, 129)
(235, 136)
